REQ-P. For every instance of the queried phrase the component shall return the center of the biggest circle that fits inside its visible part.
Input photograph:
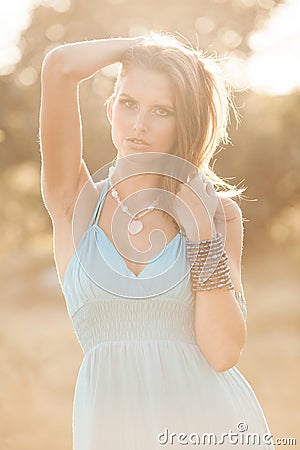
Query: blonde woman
(153, 286)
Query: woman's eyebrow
(160, 105)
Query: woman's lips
(137, 143)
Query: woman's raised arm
(83, 59)
(64, 172)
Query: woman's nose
(140, 122)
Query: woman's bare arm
(220, 327)
(83, 59)
(64, 172)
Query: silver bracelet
(209, 269)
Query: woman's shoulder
(230, 207)
(100, 185)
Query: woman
(161, 326)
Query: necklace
(135, 225)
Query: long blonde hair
(202, 101)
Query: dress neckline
(102, 232)
(151, 260)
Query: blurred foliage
(265, 151)
(265, 156)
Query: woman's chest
(157, 231)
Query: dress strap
(96, 214)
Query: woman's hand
(195, 206)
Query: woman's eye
(128, 103)
(161, 112)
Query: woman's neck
(129, 178)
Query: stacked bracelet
(209, 268)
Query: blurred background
(260, 45)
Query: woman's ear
(109, 107)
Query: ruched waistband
(133, 320)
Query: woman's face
(142, 114)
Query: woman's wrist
(202, 229)
(209, 269)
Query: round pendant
(135, 226)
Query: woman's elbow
(221, 364)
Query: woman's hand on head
(139, 39)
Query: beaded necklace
(135, 226)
